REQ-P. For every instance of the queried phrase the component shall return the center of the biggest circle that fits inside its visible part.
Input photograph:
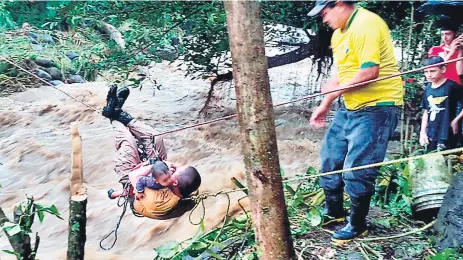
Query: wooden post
(257, 126)
(78, 201)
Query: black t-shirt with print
(441, 105)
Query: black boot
(122, 95)
(357, 225)
(111, 103)
(124, 118)
(334, 208)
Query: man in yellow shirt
(359, 134)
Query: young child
(439, 125)
(156, 176)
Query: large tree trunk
(449, 225)
(78, 201)
(256, 121)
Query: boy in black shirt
(439, 125)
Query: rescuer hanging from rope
(160, 195)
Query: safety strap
(156, 153)
(142, 152)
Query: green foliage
(219, 243)
(204, 50)
(393, 190)
(448, 254)
(197, 28)
(314, 217)
(26, 212)
(11, 253)
(168, 250)
(6, 21)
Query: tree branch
(170, 29)
(3, 220)
(299, 54)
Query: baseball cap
(319, 6)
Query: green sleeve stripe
(368, 64)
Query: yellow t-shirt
(367, 42)
(156, 203)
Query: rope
(205, 195)
(376, 164)
(134, 212)
(314, 95)
(126, 201)
(197, 199)
(124, 208)
(46, 82)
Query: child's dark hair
(434, 60)
(159, 168)
(189, 180)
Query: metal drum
(429, 180)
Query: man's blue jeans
(356, 138)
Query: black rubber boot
(111, 103)
(357, 225)
(124, 118)
(334, 208)
(122, 95)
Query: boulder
(44, 62)
(167, 53)
(42, 74)
(55, 73)
(76, 79)
(174, 41)
(32, 36)
(72, 55)
(37, 47)
(32, 39)
(56, 82)
(45, 38)
(449, 225)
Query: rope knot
(199, 198)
